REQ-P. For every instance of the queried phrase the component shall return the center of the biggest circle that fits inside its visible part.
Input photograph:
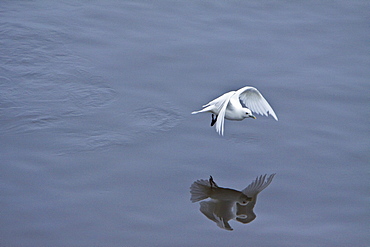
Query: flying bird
(226, 204)
(237, 105)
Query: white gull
(237, 105)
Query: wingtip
(272, 113)
(221, 133)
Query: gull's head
(244, 199)
(248, 113)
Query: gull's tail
(206, 109)
(195, 112)
(200, 190)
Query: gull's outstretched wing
(219, 212)
(215, 105)
(222, 223)
(254, 100)
(221, 115)
(219, 101)
(258, 185)
(244, 213)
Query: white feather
(254, 100)
(259, 184)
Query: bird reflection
(226, 204)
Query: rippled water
(98, 146)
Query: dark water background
(98, 147)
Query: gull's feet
(212, 183)
(214, 119)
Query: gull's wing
(215, 105)
(218, 102)
(219, 212)
(221, 115)
(244, 213)
(222, 223)
(258, 185)
(254, 100)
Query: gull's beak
(252, 116)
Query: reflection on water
(226, 204)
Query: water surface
(98, 146)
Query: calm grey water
(98, 146)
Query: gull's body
(226, 204)
(229, 106)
